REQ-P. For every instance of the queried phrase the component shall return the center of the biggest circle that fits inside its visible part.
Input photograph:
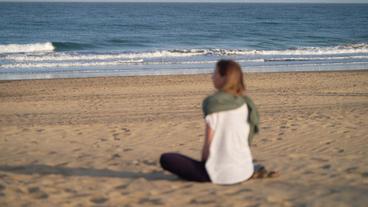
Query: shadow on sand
(90, 172)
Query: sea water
(51, 40)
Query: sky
(222, 1)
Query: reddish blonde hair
(233, 74)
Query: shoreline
(189, 74)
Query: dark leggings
(184, 167)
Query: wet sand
(97, 141)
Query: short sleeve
(211, 120)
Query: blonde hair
(233, 74)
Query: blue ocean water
(50, 40)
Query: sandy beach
(97, 141)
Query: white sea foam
(34, 47)
(60, 56)
(110, 63)
(69, 64)
(315, 58)
(43, 55)
(341, 49)
(30, 64)
(77, 57)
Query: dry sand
(97, 141)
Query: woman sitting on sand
(231, 119)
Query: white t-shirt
(230, 159)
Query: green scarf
(222, 101)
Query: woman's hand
(207, 142)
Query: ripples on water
(42, 40)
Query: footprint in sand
(202, 201)
(319, 159)
(351, 169)
(307, 172)
(37, 193)
(98, 200)
(69, 190)
(340, 150)
(116, 136)
(187, 186)
(365, 174)
(115, 156)
(125, 129)
(326, 167)
(34, 162)
(239, 192)
(149, 162)
(151, 201)
(127, 149)
(62, 164)
(121, 187)
(2, 188)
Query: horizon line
(196, 2)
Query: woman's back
(225, 156)
(230, 159)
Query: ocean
(60, 40)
